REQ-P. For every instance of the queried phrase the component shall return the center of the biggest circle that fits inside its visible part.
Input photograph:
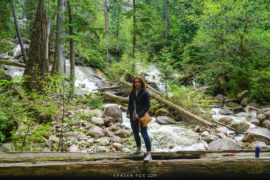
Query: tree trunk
(48, 37)
(172, 105)
(36, 67)
(71, 46)
(107, 27)
(165, 165)
(18, 32)
(134, 29)
(117, 24)
(59, 60)
(167, 20)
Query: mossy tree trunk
(36, 67)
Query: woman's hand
(136, 116)
(128, 116)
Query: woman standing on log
(139, 97)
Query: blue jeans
(135, 129)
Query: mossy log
(118, 99)
(11, 63)
(165, 165)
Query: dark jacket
(142, 102)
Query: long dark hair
(140, 80)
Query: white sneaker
(148, 158)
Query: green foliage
(231, 44)
(3, 122)
(92, 58)
(95, 101)
(6, 46)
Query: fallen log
(109, 87)
(11, 63)
(113, 97)
(165, 165)
(253, 108)
(172, 105)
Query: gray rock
(261, 117)
(97, 120)
(225, 120)
(240, 126)
(162, 112)
(165, 120)
(117, 146)
(123, 133)
(54, 139)
(238, 109)
(257, 134)
(267, 114)
(263, 110)
(245, 101)
(232, 104)
(6, 147)
(116, 139)
(225, 112)
(115, 112)
(73, 148)
(104, 141)
(266, 124)
(205, 133)
(217, 105)
(224, 144)
(219, 97)
(257, 143)
(255, 121)
(210, 138)
(96, 131)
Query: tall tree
(18, 32)
(59, 59)
(71, 46)
(107, 26)
(36, 66)
(134, 29)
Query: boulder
(217, 105)
(240, 126)
(95, 131)
(73, 148)
(257, 143)
(224, 144)
(245, 101)
(261, 117)
(210, 138)
(123, 133)
(165, 120)
(263, 110)
(266, 124)
(113, 127)
(117, 146)
(162, 112)
(255, 121)
(205, 133)
(219, 97)
(267, 114)
(238, 110)
(225, 112)
(54, 139)
(242, 94)
(97, 120)
(257, 134)
(232, 104)
(116, 139)
(225, 120)
(115, 112)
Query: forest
(64, 62)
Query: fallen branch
(109, 87)
(114, 97)
(172, 105)
(12, 63)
